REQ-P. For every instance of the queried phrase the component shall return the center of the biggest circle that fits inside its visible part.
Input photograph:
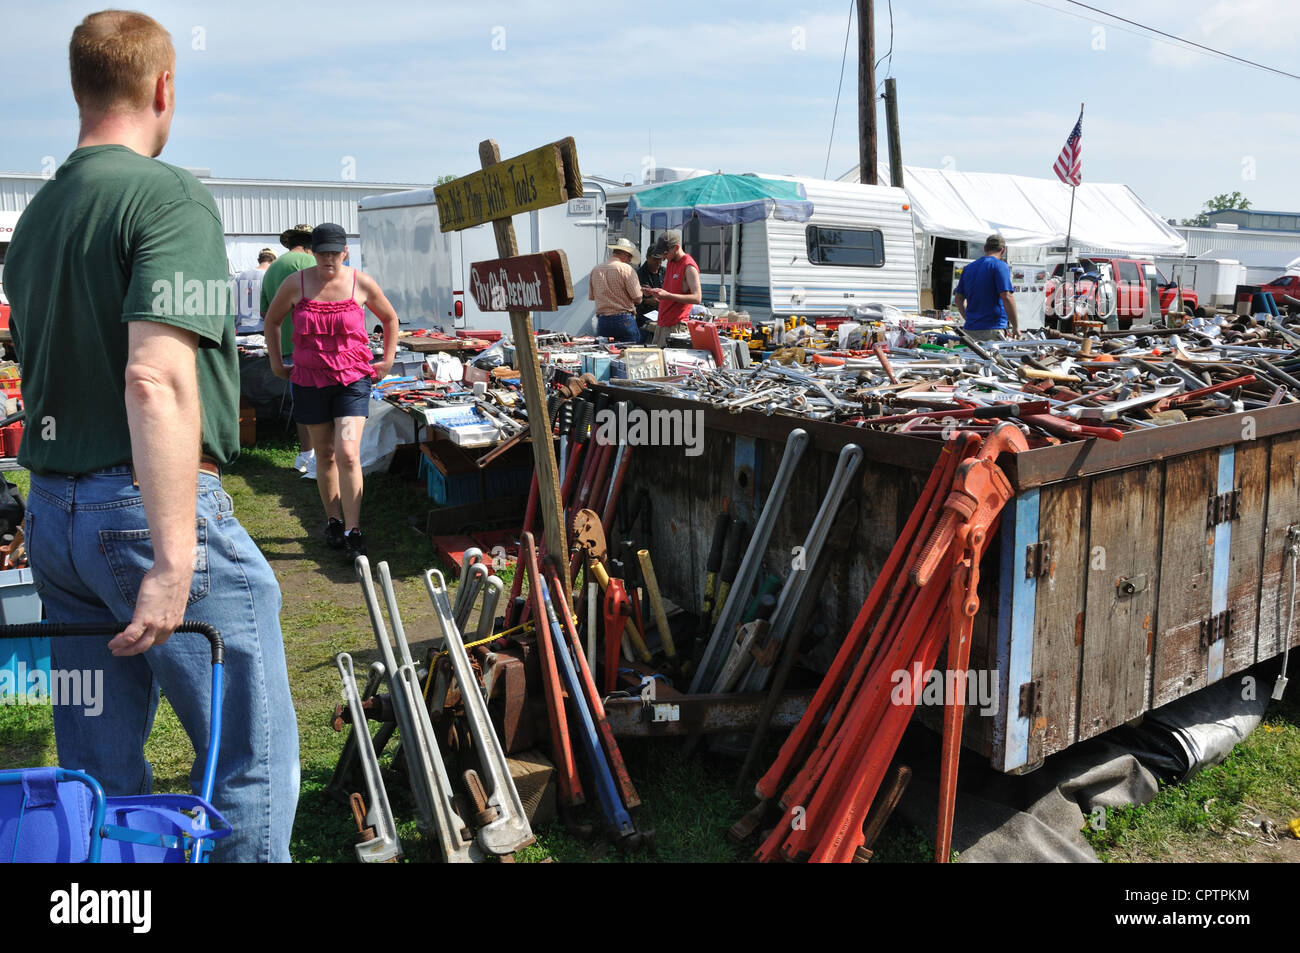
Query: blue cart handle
(42, 630)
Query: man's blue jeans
(618, 327)
(90, 547)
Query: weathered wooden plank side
(1246, 559)
(1185, 577)
(1059, 617)
(1283, 512)
(1124, 541)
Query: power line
(1170, 36)
(889, 55)
(843, 59)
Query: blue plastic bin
(20, 658)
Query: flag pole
(1070, 224)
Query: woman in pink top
(332, 372)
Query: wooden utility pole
(866, 93)
(895, 139)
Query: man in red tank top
(681, 285)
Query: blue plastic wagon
(52, 815)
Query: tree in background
(1219, 202)
(444, 179)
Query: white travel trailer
(858, 248)
(425, 272)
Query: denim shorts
(90, 547)
(323, 405)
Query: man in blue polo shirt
(984, 296)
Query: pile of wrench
(832, 767)
(1057, 387)
(417, 699)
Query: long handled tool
(508, 830)
(428, 775)
(384, 846)
(733, 546)
(566, 771)
(657, 605)
(630, 798)
(713, 564)
(607, 795)
(714, 653)
(791, 594)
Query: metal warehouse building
(253, 211)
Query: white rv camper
(425, 272)
(858, 248)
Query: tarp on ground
(970, 206)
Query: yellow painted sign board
(537, 179)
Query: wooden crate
(1117, 516)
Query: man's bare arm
(1009, 302)
(692, 295)
(960, 301)
(162, 412)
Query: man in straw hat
(616, 289)
(299, 256)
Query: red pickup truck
(1287, 286)
(1128, 278)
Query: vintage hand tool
(607, 795)
(508, 830)
(792, 592)
(384, 846)
(615, 757)
(980, 491)
(430, 783)
(657, 605)
(713, 563)
(732, 548)
(566, 772)
(713, 656)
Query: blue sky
(404, 92)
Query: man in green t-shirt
(298, 241)
(123, 322)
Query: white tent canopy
(970, 206)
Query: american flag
(1069, 164)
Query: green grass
(1195, 818)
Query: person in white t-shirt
(248, 285)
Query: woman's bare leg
(327, 475)
(347, 458)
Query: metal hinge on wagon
(1216, 627)
(1038, 559)
(1223, 507)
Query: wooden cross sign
(521, 284)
